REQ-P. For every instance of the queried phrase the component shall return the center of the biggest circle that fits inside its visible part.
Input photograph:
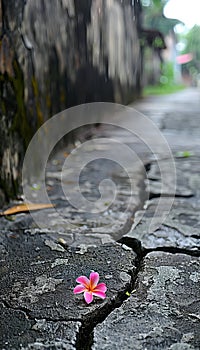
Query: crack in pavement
(85, 336)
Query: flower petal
(83, 280)
(101, 287)
(94, 279)
(99, 294)
(88, 297)
(79, 289)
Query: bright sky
(187, 11)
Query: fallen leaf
(24, 207)
(184, 154)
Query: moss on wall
(20, 123)
(57, 54)
(16, 130)
(40, 118)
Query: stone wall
(55, 54)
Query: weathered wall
(59, 53)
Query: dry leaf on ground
(24, 207)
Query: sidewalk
(153, 278)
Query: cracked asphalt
(153, 277)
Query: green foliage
(161, 89)
(154, 18)
(157, 43)
(166, 85)
(184, 154)
(157, 3)
(193, 41)
(193, 46)
(167, 74)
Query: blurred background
(56, 54)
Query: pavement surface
(152, 273)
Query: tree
(193, 46)
(154, 17)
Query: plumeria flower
(90, 287)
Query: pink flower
(90, 287)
